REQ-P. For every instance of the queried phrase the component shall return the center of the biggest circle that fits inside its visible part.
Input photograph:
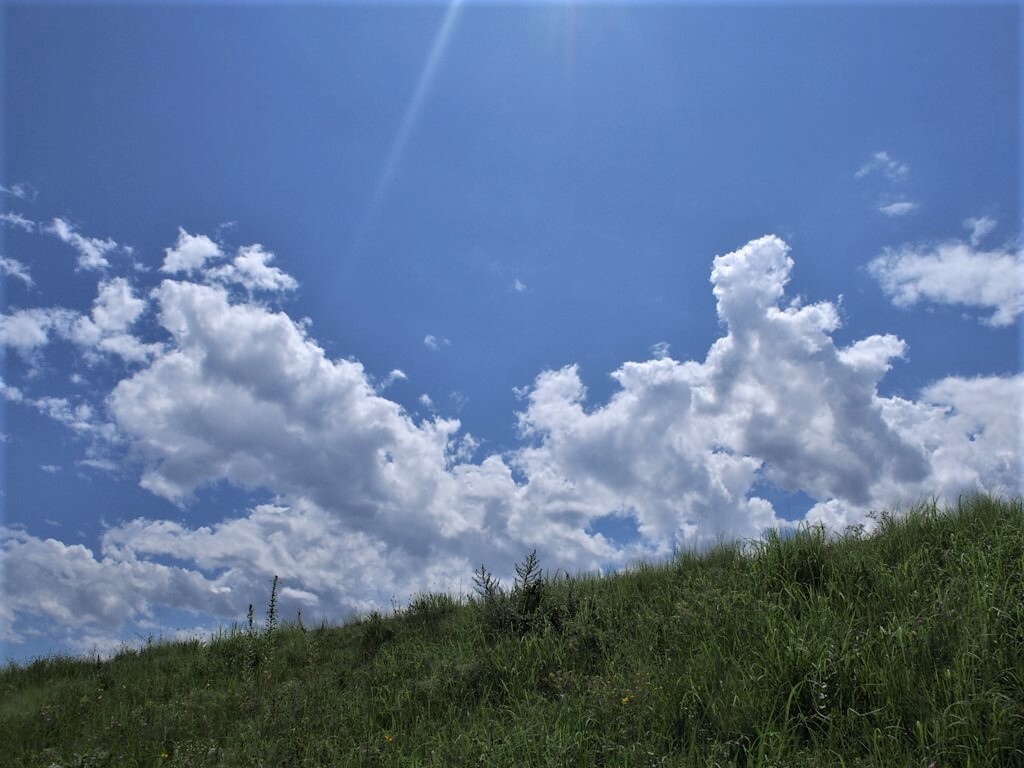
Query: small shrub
(530, 606)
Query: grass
(903, 648)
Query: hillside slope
(903, 648)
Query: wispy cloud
(21, 191)
(882, 164)
(954, 273)
(901, 208)
(980, 227)
(391, 378)
(10, 394)
(15, 219)
(519, 286)
(660, 349)
(14, 268)
(435, 343)
(80, 417)
(92, 252)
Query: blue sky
(362, 296)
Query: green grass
(904, 648)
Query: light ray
(405, 129)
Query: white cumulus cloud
(28, 329)
(370, 502)
(116, 307)
(684, 444)
(189, 253)
(954, 272)
(56, 583)
(246, 396)
(251, 269)
(114, 311)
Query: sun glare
(409, 120)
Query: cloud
(116, 307)
(28, 329)
(17, 220)
(434, 343)
(114, 311)
(79, 417)
(980, 227)
(882, 163)
(391, 378)
(21, 191)
(660, 349)
(318, 560)
(953, 272)
(519, 286)
(369, 502)
(251, 269)
(14, 268)
(898, 209)
(190, 253)
(977, 436)
(11, 394)
(67, 585)
(684, 444)
(92, 252)
(244, 395)
(104, 465)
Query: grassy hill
(904, 648)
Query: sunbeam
(409, 120)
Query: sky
(364, 296)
